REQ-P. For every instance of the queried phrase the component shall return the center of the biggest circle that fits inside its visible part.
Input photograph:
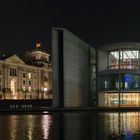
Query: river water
(71, 126)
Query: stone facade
(26, 79)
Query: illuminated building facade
(28, 78)
(119, 75)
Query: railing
(124, 66)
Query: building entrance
(13, 89)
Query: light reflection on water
(123, 122)
(71, 126)
(25, 127)
(124, 125)
(45, 125)
(13, 127)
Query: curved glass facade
(127, 82)
(127, 99)
(119, 81)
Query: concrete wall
(92, 76)
(76, 70)
(101, 99)
(55, 67)
(75, 57)
(102, 60)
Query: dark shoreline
(45, 105)
(41, 109)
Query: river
(71, 126)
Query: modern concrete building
(119, 75)
(28, 78)
(74, 67)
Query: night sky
(23, 22)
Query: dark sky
(22, 22)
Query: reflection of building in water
(13, 123)
(27, 78)
(123, 123)
(45, 125)
(119, 75)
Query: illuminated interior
(128, 59)
(131, 99)
(29, 75)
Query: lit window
(30, 89)
(126, 85)
(29, 75)
(24, 89)
(45, 89)
(105, 84)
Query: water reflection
(25, 127)
(13, 124)
(46, 122)
(123, 125)
(71, 126)
(99, 126)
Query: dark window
(24, 82)
(13, 72)
(10, 72)
(29, 82)
(109, 82)
(45, 78)
(24, 75)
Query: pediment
(14, 59)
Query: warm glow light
(127, 121)
(45, 89)
(29, 75)
(24, 88)
(126, 99)
(13, 89)
(38, 45)
(13, 124)
(45, 123)
(31, 124)
(30, 89)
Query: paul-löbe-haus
(28, 78)
(119, 75)
(84, 76)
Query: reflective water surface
(71, 126)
